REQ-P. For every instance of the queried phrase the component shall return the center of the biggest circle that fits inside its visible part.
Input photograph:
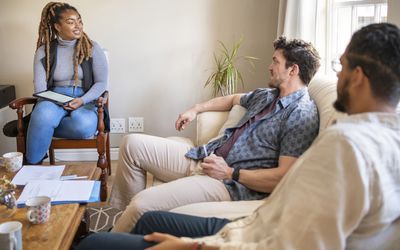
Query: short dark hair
(299, 52)
(376, 49)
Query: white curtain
(307, 20)
(298, 19)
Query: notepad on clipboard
(54, 97)
(61, 192)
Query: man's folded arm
(265, 180)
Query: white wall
(160, 50)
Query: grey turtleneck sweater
(64, 70)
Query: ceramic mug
(11, 235)
(12, 161)
(39, 208)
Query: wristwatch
(235, 174)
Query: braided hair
(51, 14)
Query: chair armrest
(101, 104)
(102, 100)
(20, 102)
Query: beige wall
(160, 51)
(394, 12)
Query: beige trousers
(165, 159)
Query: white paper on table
(33, 173)
(58, 191)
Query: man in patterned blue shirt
(246, 163)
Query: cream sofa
(209, 124)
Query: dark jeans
(180, 225)
(157, 221)
(117, 241)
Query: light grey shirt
(64, 71)
(343, 193)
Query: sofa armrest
(208, 125)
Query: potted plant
(224, 79)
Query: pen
(80, 177)
(205, 150)
(72, 177)
(68, 177)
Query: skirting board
(81, 154)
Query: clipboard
(61, 195)
(55, 97)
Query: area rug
(101, 219)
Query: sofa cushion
(208, 124)
(234, 116)
(322, 90)
(211, 125)
(221, 209)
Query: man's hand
(185, 118)
(74, 104)
(167, 241)
(216, 167)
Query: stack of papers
(45, 181)
(34, 173)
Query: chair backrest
(106, 53)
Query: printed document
(34, 173)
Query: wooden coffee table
(59, 231)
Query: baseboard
(82, 154)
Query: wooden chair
(101, 141)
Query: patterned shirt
(226, 147)
(286, 131)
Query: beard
(343, 98)
(274, 83)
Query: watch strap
(235, 174)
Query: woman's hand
(167, 241)
(74, 104)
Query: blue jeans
(49, 119)
(179, 225)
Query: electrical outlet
(136, 124)
(117, 125)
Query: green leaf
(224, 79)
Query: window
(343, 18)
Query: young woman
(68, 62)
